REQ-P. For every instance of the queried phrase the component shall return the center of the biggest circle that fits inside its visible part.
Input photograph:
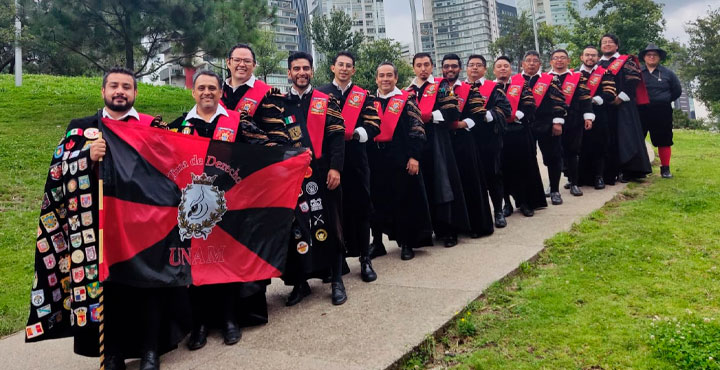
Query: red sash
(542, 85)
(570, 85)
(390, 117)
(250, 101)
(427, 103)
(462, 92)
(145, 119)
(514, 92)
(352, 108)
(595, 79)
(316, 121)
(641, 94)
(486, 90)
(227, 127)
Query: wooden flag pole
(101, 305)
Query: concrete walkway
(380, 322)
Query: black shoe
(367, 274)
(567, 185)
(114, 362)
(527, 211)
(377, 249)
(555, 198)
(621, 178)
(599, 183)
(500, 220)
(406, 253)
(298, 293)
(665, 172)
(198, 338)
(575, 190)
(338, 293)
(150, 361)
(474, 235)
(507, 209)
(450, 241)
(231, 332)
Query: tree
(520, 38)
(267, 55)
(635, 22)
(371, 54)
(704, 57)
(330, 36)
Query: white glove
(598, 100)
(624, 97)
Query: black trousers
(657, 119)
(492, 166)
(551, 149)
(572, 138)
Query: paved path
(380, 322)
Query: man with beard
(138, 321)
(521, 175)
(627, 155)
(547, 125)
(243, 92)
(439, 110)
(314, 121)
(218, 304)
(489, 136)
(657, 117)
(601, 84)
(397, 189)
(579, 119)
(361, 124)
(472, 110)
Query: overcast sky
(676, 13)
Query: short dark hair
(503, 57)
(422, 55)
(611, 37)
(451, 56)
(242, 46)
(299, 55)
(531, 52)
(560, 51)
(344, 53)
(478, 56)
(592, 47)
(120, 70)
(206, 72)
(386, 63)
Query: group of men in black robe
(441, 158)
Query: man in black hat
(663, 88)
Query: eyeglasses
(450, 66)
(242, 60)
(473, 65)
(559, 57)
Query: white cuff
(598, 100)
(470, 123)
(519, 115)
(590, 116)
(624, 97)
(559, 120)
(437, 116)
(489, 117)
(362, 133)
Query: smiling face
(451, 69)
(502, 69)
(300, 73)
(589, 57)
(608, 46)
(241, 65)
(206, 92)
(475, 69)
(559, 61)
(386, 79)
(344, 69)
(119, 92)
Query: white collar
(616, 55)
(250, 82)
(457, 83)
(539, 73)
(295, 92)
(194, 114)
(430, 79)
(395, 91)
(482, 80)
(583, 67)
(132, 113)
(552, 72)
(349, 85)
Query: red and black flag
(181, 209)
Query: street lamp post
(534, 20)
(18, 49)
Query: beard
(299, 84)
(119, 107)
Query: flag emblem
(201, 207)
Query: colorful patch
(57, 295)
(224, 134)
(430, 91)
(247, 104)
(58, 151)
(354, 98)
(49, 221)
(321, 235)
(69, 144)
(92, 133)
(568, 88)
(72, 204)
(78, 274)
(43, 311)
(73, 167)
(37, 297)
(49, 261)
(81, 316)
(82, 164)
(64, 167)
(318, 105)
(514, 90)
(45, 201)
(79, 294)
(91, 273)
(94, 289)
(35, 330)
(311, 188)
(308, 172)
(57, 193)
(84, 182)
(77, 257)
(43, 245)
(90, 254)
(95, 312)
(88, 236)
(54, 319)
(540, 88)
(74, 222)
(71, 185)
(56, 171)
(52, 280)
(394, 106)
(289, 120)
(87, 218)
(302, 247)
(76, 240)
(64, 264)
(304, 207)
(74, 154)
(65, 284)
(59, 243)
(316, 205)
(67, 303)
(74, 132)
(295, 132)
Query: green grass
(33, 118)
(635, 285)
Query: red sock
(664, 152)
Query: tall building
(686, 104)
(427, 36)
(505, 15)
(553, 12)
(368, 15)
(290, 19)
(463, 27)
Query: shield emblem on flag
(540, 88)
